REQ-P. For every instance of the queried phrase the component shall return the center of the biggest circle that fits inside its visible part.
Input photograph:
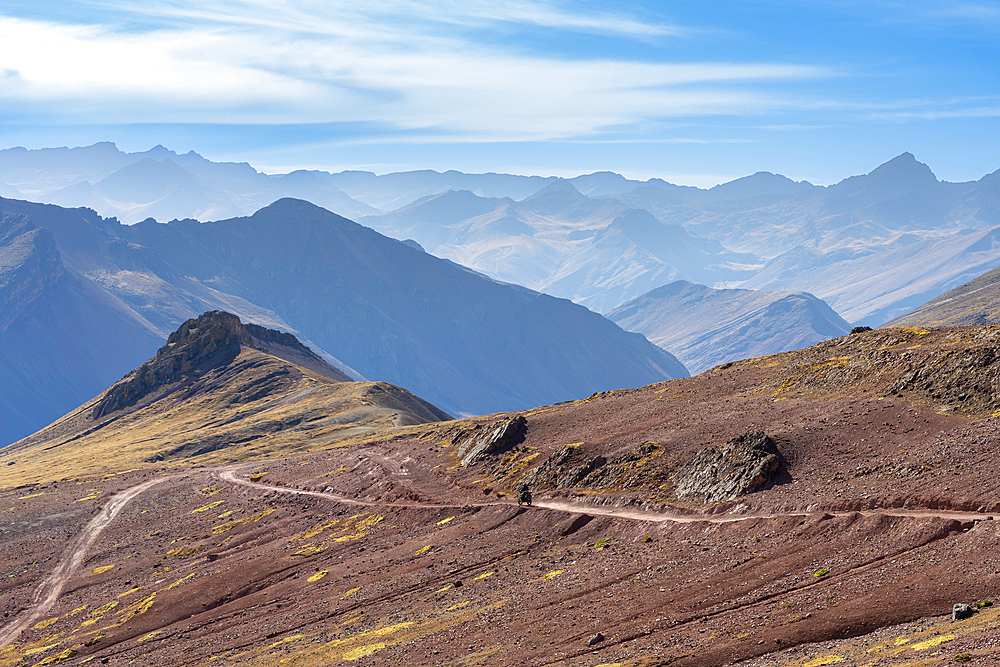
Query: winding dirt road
(52, 586)
(50, 589)
(230, 475)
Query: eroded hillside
(408, 547)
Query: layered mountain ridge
(372, 306)
(873, 246)
(708, 327)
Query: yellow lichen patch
(181, 551)
(363, 651)
(476, 658)
(140, 606)
(104, 609)
(207, 507)
(610, 664)
(824, 660)
(225, 514)
(319, 575)
(902, 640)
(218, 530)
(422, 550)
(352, 592)
(832, 363)
(62, 657)
(444, 521)
(552, 575)
(458, 606)
(44, 624)
(315, 530)
(179, 582)
(309, 550)
(90, 621)
(102, 569)
(257, 476)
(76, 611)
(442, 590)
(932, 642)
(360, 529)
(151, 635)
(33, 495)
(40, 649)
(483, 576)
(134, 589)
(352, 617)
(286, 640)
(210, 490)
(93, 494)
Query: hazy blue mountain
(391, 312)
(872, 246)
(761, 184)
(704, 327)
(391, 192)
(158, 183)
(594, 251)
(974, 302)
(555, 234)
(63, 339)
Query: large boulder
(743, 465)
(481, 440)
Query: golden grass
(216, 426)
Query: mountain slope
(860, 497)
(467, 343)
(386, 310)
(704, 327)
(217, 392)
(62, 338)
(975, 302)
(595, 252)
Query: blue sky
(694, 92)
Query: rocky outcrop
(569, 468)
(212, 340)
(479, 441)
(715, 474)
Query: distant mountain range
(873, 246)
(86, 299)
(705, 327)
(157, 183)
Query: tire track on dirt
(229, 475)
(52, 586)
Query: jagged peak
(211, 340)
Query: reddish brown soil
(892, 495)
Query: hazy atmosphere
(695, 93)
(530, 333)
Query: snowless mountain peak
(559, 187)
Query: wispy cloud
(249, 61)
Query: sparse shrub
(601, 543)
